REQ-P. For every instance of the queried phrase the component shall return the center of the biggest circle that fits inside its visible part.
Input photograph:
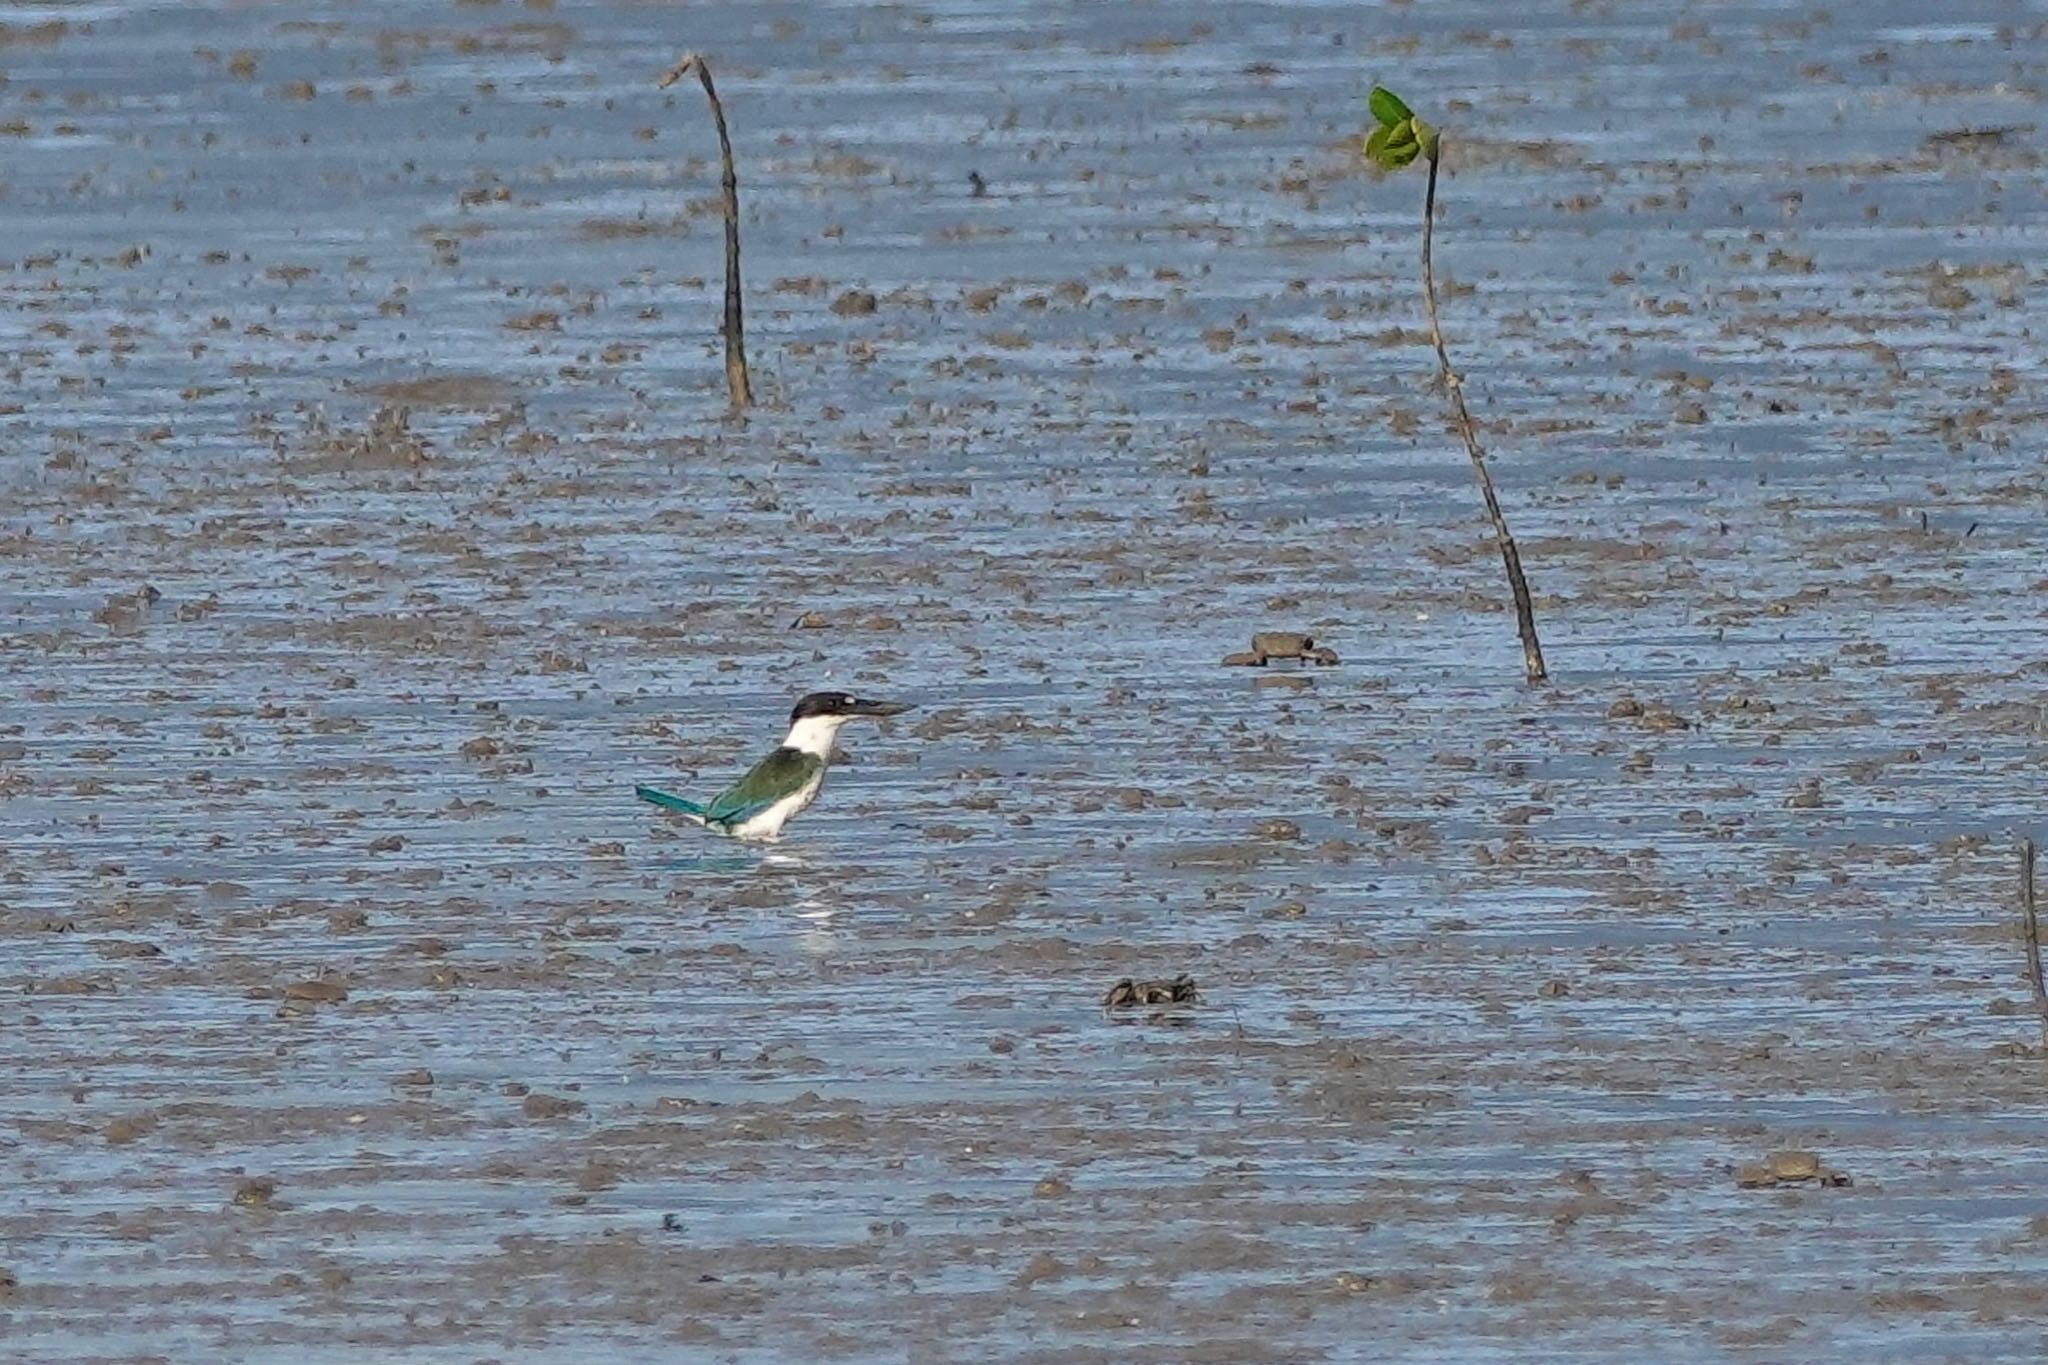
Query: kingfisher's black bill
(878, 708)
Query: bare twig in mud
(2031, 923)
(1398, 140)
(736, 380)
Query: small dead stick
(2032, 925)
(1454, 389)
(735, 333)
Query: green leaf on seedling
(1387, 107)
(1401, 136)
(1392, 146)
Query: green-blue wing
(774, 777)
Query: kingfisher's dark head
(844, 705)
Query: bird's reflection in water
(709, 863)
(818, 934)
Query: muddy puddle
(372, 523)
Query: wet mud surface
(372, 523)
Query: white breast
(768, 824)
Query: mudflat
(371, 521)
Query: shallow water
(1747, 295)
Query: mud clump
(386, 442)
(1043, 1266)
(1806, 797)
(257, 1192)
(1652, 716)
(1281, 644)
(1129, 993)
(129, 1128)
(539, 1106)
(127, 612)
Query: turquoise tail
(667, 802)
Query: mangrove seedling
(1397, 139)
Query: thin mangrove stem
(1510, 557)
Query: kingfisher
(787, 780)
